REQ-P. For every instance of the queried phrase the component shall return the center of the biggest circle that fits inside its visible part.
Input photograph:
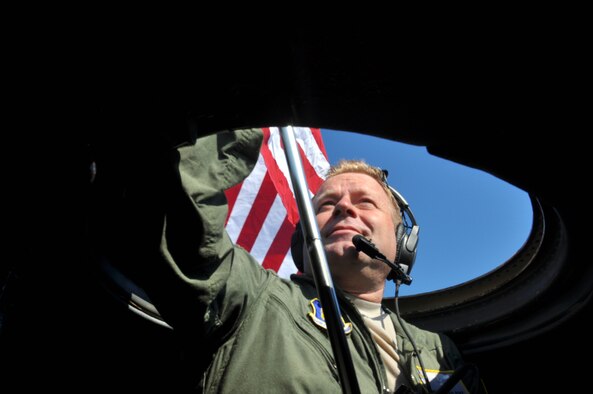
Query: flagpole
(321, 273)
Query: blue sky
(470, 221)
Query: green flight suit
(250, 329)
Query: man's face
(350, 204)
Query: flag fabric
(262, 209)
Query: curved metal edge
(129, 293)
(423, 304)
(524, 299)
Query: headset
(406, 236)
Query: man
(250, 331)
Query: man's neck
(366, 287)
(373, 292)
(371, 296)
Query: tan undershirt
(381, 327)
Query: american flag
(262, 209)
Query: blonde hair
(361, 167)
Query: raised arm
(198, 279)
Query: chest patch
(438, 378)
(318, 318)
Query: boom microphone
(367, 247)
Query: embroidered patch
(438, 378)
(317, 316)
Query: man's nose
(344, 207)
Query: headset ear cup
(296, 247)
(410, 246)
(404, 253)
(400, 235)
(406, 249)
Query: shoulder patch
(317, 316)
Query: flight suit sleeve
(201, 282)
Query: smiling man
(354, 200)
(248, 330)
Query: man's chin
(341, 250)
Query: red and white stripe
(262, 210)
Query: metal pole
(321, 273)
